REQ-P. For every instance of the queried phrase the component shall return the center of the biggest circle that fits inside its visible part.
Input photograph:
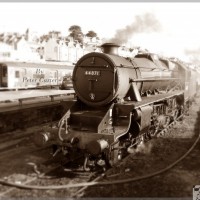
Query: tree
(76, 33)
(91, 34)
(27, 34)
(44, 38)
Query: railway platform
(26, 108)
(10, 100)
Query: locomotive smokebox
(110, 48)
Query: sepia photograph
(100, 100)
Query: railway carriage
(16, 74)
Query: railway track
(27, 181)
(11, 140)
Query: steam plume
(142, 24)
(194, 55)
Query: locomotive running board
(154, 80)
(150, 100)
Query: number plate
(92, 73)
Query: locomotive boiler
(120, 102)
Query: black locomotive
(120, 102)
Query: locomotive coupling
(97, 146)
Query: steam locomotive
(120, 102)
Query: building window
(16, 74)
(4, 71)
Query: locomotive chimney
(110, 48)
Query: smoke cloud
(142, 24)
(144, 148)
(194, 55)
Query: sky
(170, 29)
